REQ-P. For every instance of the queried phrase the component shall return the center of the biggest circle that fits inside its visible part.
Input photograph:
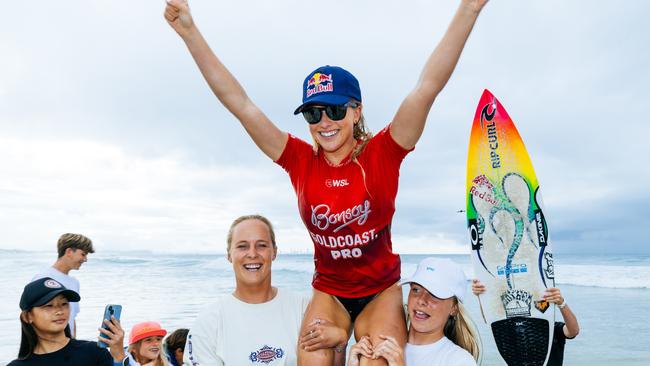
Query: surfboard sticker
(511, 253)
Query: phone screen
(110, 310)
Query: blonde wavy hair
(161, 360)
(461, 330)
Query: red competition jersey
(349, 221)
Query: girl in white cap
(440, 332)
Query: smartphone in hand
(110, 310)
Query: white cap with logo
(442, 277)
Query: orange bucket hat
(145, 329)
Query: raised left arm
(408, 123)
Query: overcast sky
(108, 129)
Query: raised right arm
(270, 139)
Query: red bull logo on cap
(319, 83)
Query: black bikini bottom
(355, 306)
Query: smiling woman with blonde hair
(257, 323)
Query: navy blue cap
(329, 85)
(40, 292)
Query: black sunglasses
(313, 114)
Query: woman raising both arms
(346, 182)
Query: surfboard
(511, 253)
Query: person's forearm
(117, 352)
(570, 322)
(443, 60)
(409, 121)
(339, 357)
(223, 84)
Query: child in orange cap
(145, 345)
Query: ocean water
(609, 294)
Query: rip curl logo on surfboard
(492, 137)
(266, 355)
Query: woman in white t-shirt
(440, 330)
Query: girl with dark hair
(45, 339)
(175, 346)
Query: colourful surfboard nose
(511, 254)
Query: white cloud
(108, 126)
(124, 201)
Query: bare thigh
(327, 307)
(384, 315)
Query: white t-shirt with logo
(68, 282)
(441, 353)
(231, 332)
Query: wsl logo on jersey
(266, 355)
(330, 183)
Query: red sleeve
(386, 146)
(295, 155)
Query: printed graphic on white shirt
(266, 354)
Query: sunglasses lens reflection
(313, 115)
